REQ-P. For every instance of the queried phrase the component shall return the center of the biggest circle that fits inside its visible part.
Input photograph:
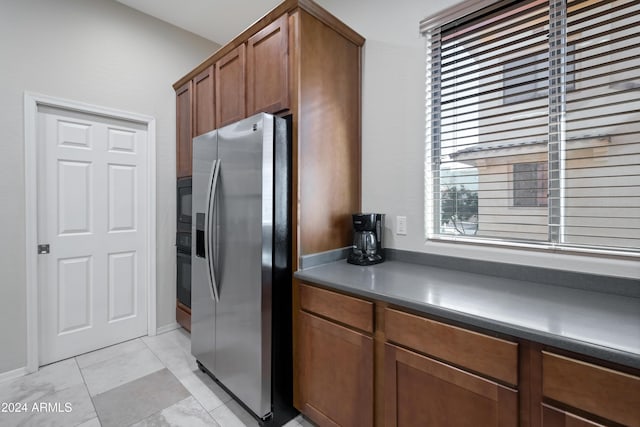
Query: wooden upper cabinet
(327, 82)
(203, 102)
(300, 60)
(268, 68)
(420, 391)
(230, 87)
(183, 130)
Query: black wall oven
(183, 241)
(184, 272)
(183, 204)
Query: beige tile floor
(149, 381)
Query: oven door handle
(209, 239)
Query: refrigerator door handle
(208, 227)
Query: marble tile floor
(149, 381)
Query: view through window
(533, 124)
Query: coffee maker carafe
(368, 229)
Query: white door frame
(31, 103)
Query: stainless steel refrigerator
(241, 269)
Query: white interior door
(92, 211)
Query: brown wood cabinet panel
(203, 102)
(552, 417)
(183, 315)
(421, 391)
(268, 68)
(230, 87)
(184, 118)
(610, 394)
(335, 373)
(379, 364)
(487, 355)
(351, 311)
(530, 383)
(328, 152)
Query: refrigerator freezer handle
(208, 227)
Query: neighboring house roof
(481, 150)
(496, 146)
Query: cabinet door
(183, 130)
(230, 87)
(420, 391)
(552, 417)
(335, 373)
(268, 69)
(203, 102)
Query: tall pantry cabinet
(299, 61)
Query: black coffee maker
(368, 229)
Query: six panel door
(92, 210)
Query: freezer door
(205, 152)
(245, 221)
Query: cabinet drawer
(341, 308)
(487, 355)
(601, 391)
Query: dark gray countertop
(605, 326)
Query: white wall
(98, 52)
(393, 137)
(393, 129)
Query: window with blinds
(533, 124)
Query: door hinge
(43, 249)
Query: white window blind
(533, 124)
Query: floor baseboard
(16, 373)
(167, 328)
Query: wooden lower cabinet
(420, 391)
(431, 373)
(335, 371)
